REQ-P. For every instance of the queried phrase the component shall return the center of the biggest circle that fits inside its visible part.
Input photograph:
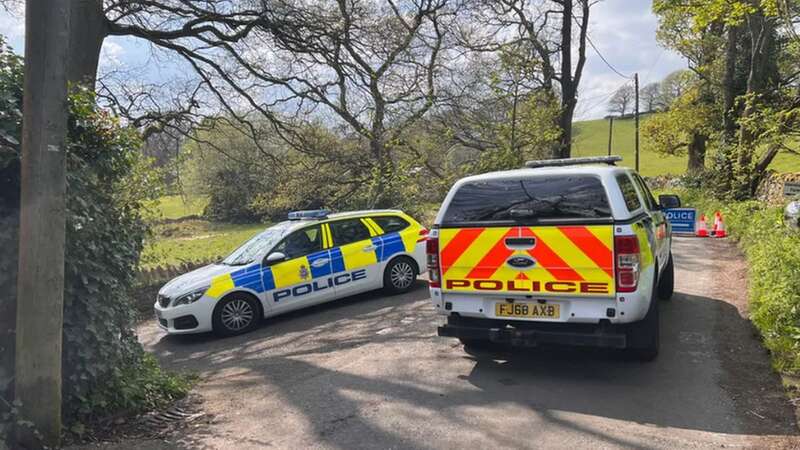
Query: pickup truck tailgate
(574, 261)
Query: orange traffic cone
(702, 228)
(719, 226)
(716, 224)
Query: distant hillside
(591, 139)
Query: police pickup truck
(572, 251)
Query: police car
(571, 251)
(314, 257)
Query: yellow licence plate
(528, 310)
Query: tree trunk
(567, 89)
(762, 33)
(569, 81)
(86, 41)
(565, 147)
(697, 153)
(761, 167)
(728, 86)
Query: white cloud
(112, 55)
(624, 32)
(12, 24)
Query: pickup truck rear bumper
(531, 337)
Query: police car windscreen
(530, 200)
(256, 247)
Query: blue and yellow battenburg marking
(307, 268)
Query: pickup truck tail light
(434, 273)
(626, 253)
(423, 235)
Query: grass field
(177, 206)
(194, 241)
(591, 139)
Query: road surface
(369, 372)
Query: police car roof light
(610, 160)
(310, 214)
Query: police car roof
(295, 224)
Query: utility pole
(636, 115)
(40, 282)
(610, 130)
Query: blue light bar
(311, 214)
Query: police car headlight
(191, 297)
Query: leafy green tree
(682, 129)
(741, 51)
(105, 368)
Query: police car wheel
(235, 314)
(399, 275)
(666, 284)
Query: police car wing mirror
(274, 258)
(667, 201)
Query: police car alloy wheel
(400, 275)
(235, 314)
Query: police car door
(304, 277)
(354, 257)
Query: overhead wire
(610, 66)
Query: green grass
(591, 139)
(178, 206)
(195, 241)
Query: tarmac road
(369, 372)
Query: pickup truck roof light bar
(610, 160)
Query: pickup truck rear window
(529, 200)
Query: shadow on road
(709, 365)
(712, 374)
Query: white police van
(314, 257)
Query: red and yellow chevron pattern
(567, 259)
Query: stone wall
(770, 190)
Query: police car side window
(301, 243)
(629, 193)
(391, 224)
(348, 231)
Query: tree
(498, 106)
(503, 22)
(621, 99)
(673, 86)
(737, 49)
(373, 66)
(682, 129)
(649, 95)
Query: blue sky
(622, 30)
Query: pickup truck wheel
(643, 336)
(666, 284)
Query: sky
(622, 30)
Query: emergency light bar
(311, 214)
(610, 160)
